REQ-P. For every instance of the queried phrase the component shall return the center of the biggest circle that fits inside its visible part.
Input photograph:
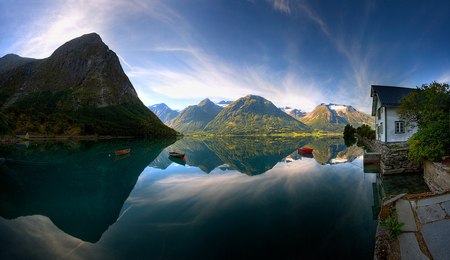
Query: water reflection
(387, 185)
(80, 186)
(256, 155)
(297, 209)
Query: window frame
(403, 127)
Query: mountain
(333, 118)
(163, 112)
(295, 113)
(194, 118)
(224, 103)
(83, 80)
(253, 115)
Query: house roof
(21, 133)
(389, 96)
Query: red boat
(122, 151)
(305, 150)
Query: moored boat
(177, 155)
(305, 150)
(120, 152)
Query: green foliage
(349, 130)
(118, 120)
(394, 226)
(425, 105)
(428, 109)
(5, 128)
(429, 143)
(365, 131)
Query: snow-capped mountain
(296, 113)
(334, 117)
(224, 103)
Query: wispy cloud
(444, 78)
(281, 5)
(58, 22)
(207, 76)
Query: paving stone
(437, 238)
(434, 200)
(446, 207)
(409, 248)
(430, 213)
(394, 199)
(405, 215)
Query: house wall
(392, 116)
(388, 118)
(380, 122)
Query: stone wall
(393, 160)
(436, 176)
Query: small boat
(305, 150)
(125, 151)
(178, 155)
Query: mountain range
(333, 118)
(81, 86)
(252, 115)
(249, 115)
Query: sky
(293, 53)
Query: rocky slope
(164, 112)
(82, 79)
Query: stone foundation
(436, 176)
(393, 160)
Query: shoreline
(13, 140)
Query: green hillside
(252, 115)
(193, 119)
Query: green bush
(349, 130)
(366, 131)
(429, 143)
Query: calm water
(233, 198)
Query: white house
(388, 126)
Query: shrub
(429, 143)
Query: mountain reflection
(255, 155)
(80, 186)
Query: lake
(232, 198)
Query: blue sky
(294, 53)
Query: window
(379, 113)
(380, 129)
(399, 127)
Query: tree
(425, 105)
(349, 130)
(428, 109)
